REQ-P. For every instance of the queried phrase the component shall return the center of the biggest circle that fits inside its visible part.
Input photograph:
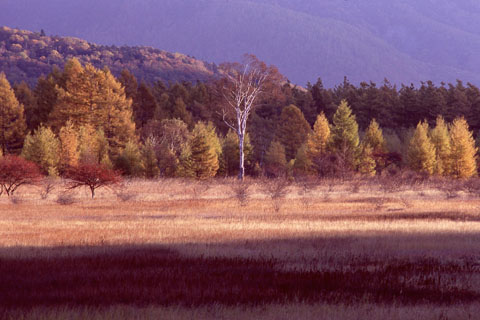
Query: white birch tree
(241, 87)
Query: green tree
(344, 135)
(421, 155)
(303, 163)
(130, 161)
(150, 160)
(43, 147)
(275, 159)
(374, 138)
(292, 130)
(463, 150)
(231, 153)
(203, 160)
(27, 98)
(12, 121)
(440, 138)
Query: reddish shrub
(93, 176)
(16, 171)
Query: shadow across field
(159, 275)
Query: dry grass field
(175, 249)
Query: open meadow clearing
(177, 249)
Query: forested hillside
(25, 56)
(402, 40)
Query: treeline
(85, 115)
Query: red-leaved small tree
(15, 172)
(93, 176)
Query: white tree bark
(246, 84)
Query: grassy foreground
(175, 249)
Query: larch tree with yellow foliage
(463, 150)
(421, 155)
(372, 143)
(317, 141)
(12, 120)
(441, 140)
(69, 154)
(94, 97)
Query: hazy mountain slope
(403, 40)
(26, 55)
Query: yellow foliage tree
(374, 138)
(441, 140)
(69, 154)
(12, 119)
(318, 139)
(90, 96)
(463, 150)
(421, 155)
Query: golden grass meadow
(178, 249)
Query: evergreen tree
(179, 111)
(144, 105)
(12, 121)
(130, 160)
(344, 136)
(46, 97)
(440, 138)
(463, 150)
(129, 84)
(203, 158)
(69, 155)
(374, 138)
(231, 153)
(275, 159)
(421, 155)
(292, 130)
(318, 139)
(26, 97)
(209, 131)
(150, 160)
(367, 163)
(43, 147)
(303, 163)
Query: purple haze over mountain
(402, 40)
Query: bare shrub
(306, 185)
(241, 191)
(276, 190)
(46, 187)
(472, 186)
(450, 187)
(123, 193)
(65, 199)
(199, 188)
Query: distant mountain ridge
(26, 55)
(402, 40)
